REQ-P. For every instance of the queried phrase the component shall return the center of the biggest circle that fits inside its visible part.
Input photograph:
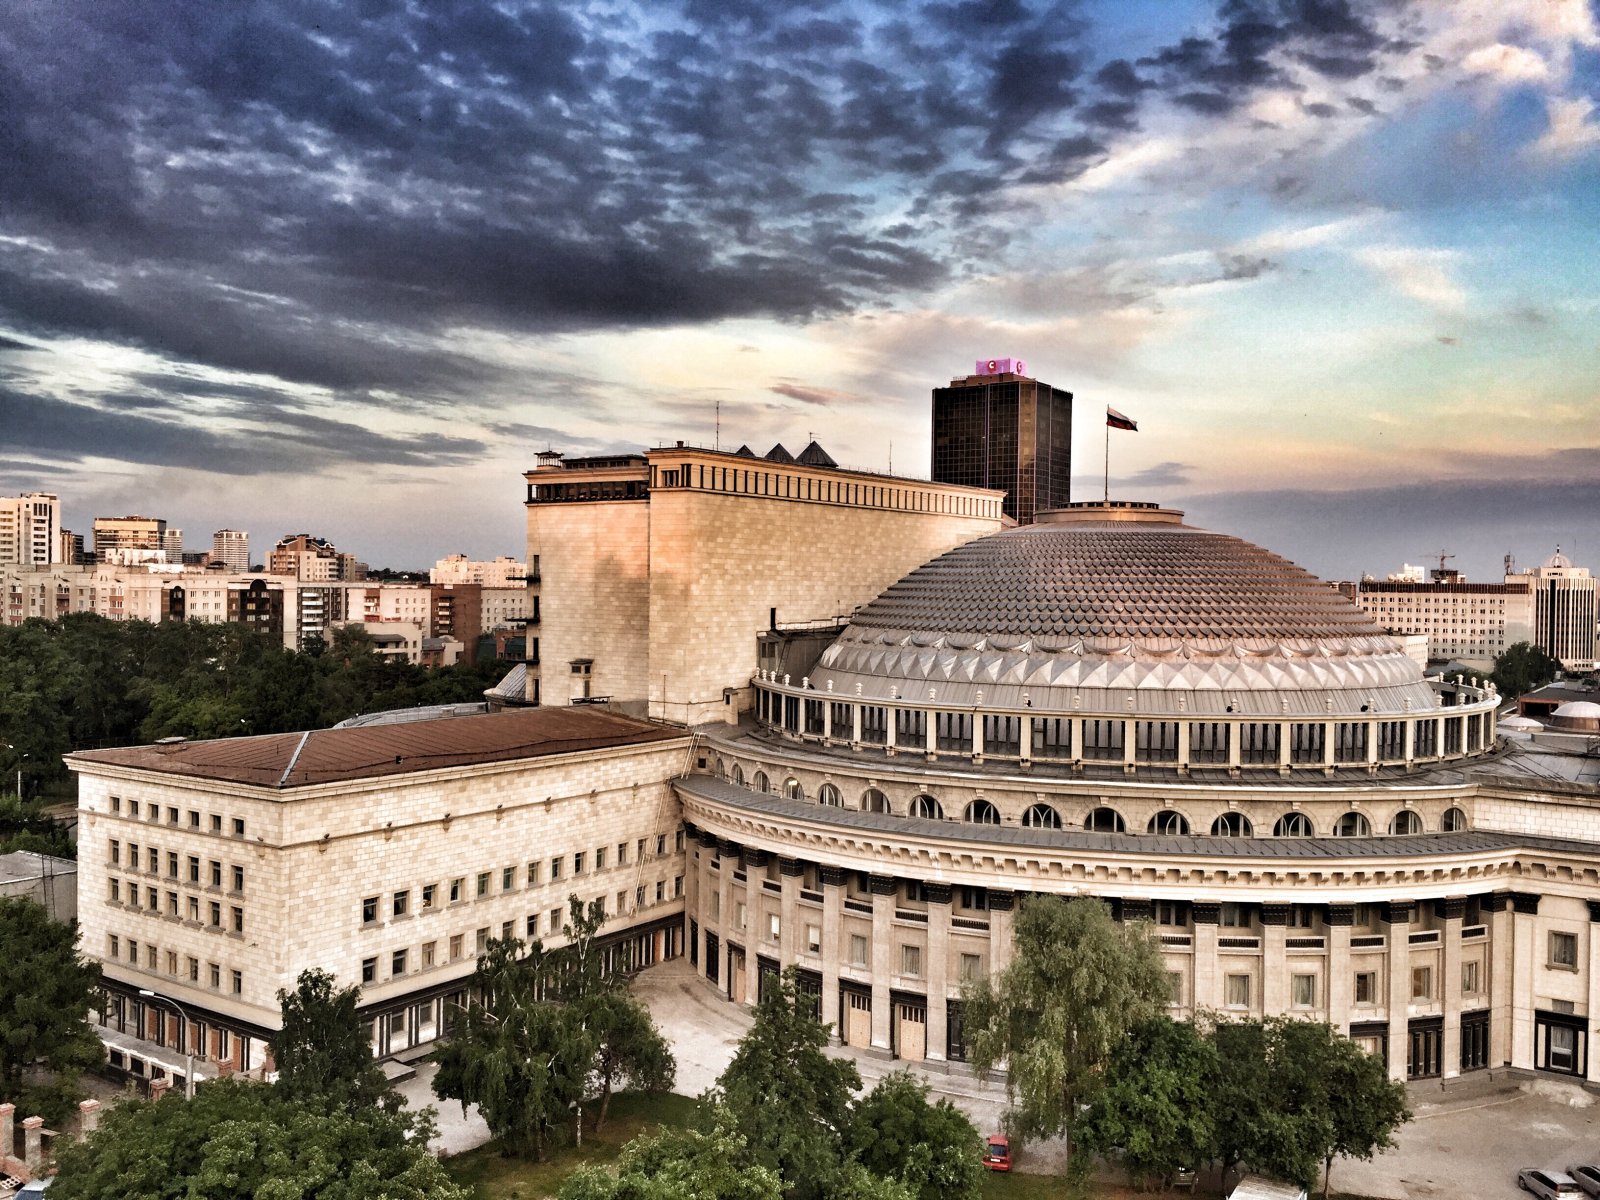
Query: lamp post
(188, 1045)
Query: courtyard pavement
(1462, 1144)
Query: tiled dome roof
(1095, 607)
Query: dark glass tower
(1000, 429)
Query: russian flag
(1117, 421)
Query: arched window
(1405, 821)
(1167, 821)
(792, 789)
(1232, 824)
(758, 782)
(981, 812)
(1105, 820)
(829, 795)
(1292, 825)
(872, 800)
(1352, 824)
(1041, 816)
(722, 769)
(927, 806)
(1454, 821)
(738, 775)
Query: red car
(997, 1153)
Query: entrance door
(736, 982)
(911, 1032)
(858, 1020)
(1427, 1043)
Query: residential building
(502, 572)
(1000, 428)
(231, 548)
(1470, 623)
(314, 560)
(132, 540)
(30, 529)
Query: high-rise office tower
(231, 548)
(998, 428)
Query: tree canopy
(1077, 982)
(322, 1048)
(679, 1164)
(237, 1140)
(46, 992)
(933, 1149)
(790, 1100)
(1521, 668)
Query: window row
(148, 898)
(439, 952)
(537, 873)
(1104, 819)
(214, 822)
(178, 865)
(152, 958)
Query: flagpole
(1106, 499)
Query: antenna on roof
(891, 456)
(717, 445)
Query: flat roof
(21, 865)
(290, 760)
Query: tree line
(84, 682)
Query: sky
(346, 268)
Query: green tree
(46, 993)
(238, 1140)
(1155, 1110)
(1076, 984)
(933, 1149)
(1345, 1094)
(679, 1164)
(1521, 668)
(523, 1060)
(322, 1048)
(630, 1052)
(790, 1100)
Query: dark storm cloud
(1162, 475)
(288, 442)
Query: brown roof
(287, 760)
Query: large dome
(1121, 609)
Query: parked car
(1587, 1177)
(1546, 1183)
(997, 1152)
(1184, 1179)
(37, 1187)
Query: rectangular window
(397, 963)
(1469, 979)
(1236, 916)
(774, 927)
(661, 890)
(400, 903)
(1564, 950)
(194, 909)
(113, 946)
(1422, 983)
(369, 910)
(155, 860)
(172, 864)
(911, 961)
(152, 899)
(133, 808)
(483, 883)
(555, 868)
(622, 903)
(555, 920)
(194, 819)
(216, 973)
(216, 915)
(216, 822)
(458, 889)
(813, 939)
(1174, 987)
(133, 893)
(1170, 912)
(661, 844)
(858, 950)
(531, 926)
(194, 970)
(455, 946)
(622, 854)
(216, 873)
(369, 970)
(577, 863)
(533, 874)
(238, 919)
(508, 878)
(600, 858)
(427, 954)
(172, 816)
(194, 869)
(1236, 991)
(1366, 987)
(677, 886)
(116, 804)
(971, 967)
(1303, 991)
(508, 930)
(172, 904)
(238, 831)
(480, 940)
(116, 891)
(238, 879)
(116, 852)
(738, 914)
(238, 983)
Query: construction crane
(1443, 557)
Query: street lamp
(188, 1042)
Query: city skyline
(1338, 260)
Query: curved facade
(1115, 704)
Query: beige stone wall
(594, 596)
(720, 562)
(311, 855)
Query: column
(33, 1137)
(1207, 979)
(755, 922)
(937, 966)
(831, 880)
(891, 732)
(827, 717)
(1183, 747)
(1274, 959)
(1524, 961)
(1452, 910)
(883, 890)
(1329, 744)
(1397, 915)
(1373, 729)
(791, 946)
(1594, 983)
(1000, 919)
(1498, 909)
(855, 726)
(88, 1118)
(930, 734)
(1025, 741)
(977, 734)
(1339, 918)
(8, 1116)
(728, 858)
